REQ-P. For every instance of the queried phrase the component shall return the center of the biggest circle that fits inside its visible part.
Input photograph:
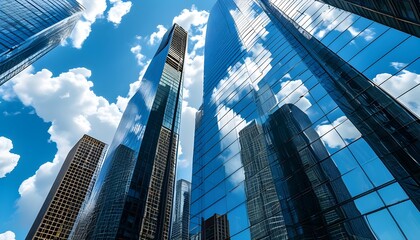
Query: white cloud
(344, 132)
(257, 63)
(8, 160)
(398, 65)
(80, 33)
(8, 235)
(157, 36)
(72, 108)
(186, 139)
(118, 10)
(191, 17)
(398, 85)
(134, 86)
(230, 124)
(136, 50)
(330, 19)
(94, 9)
(294, 92)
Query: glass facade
(403, 15)
(73, 183)
(132, 198)
(30, 29)
(181, 213)
(309, 126)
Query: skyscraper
(30, 29)
(344, 78)
(401, 15)
(181, 215)
(133, 195)
(73, 183)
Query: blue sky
(82, 87)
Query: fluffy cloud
(157, 36)
(230, 124)
(8, 235)
(195, 23)
(405, 86)
(118, 10)
(136, 50)
(186, 139)
(134, 86)
(94, 9)
(8, 160)
(344, 132)
(257, 63)
(191, 17)
(294, 92)
(331, 19)
(73, 109)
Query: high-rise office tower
(353, 82)
(181, 213)
(133, 195)
(30, 29)
(73, 183)
(215, 228)
(402, 15)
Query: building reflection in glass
(263, 205)
(360, 134)
(308, 184)
(390, 129)
(215, 227)
(402, 15)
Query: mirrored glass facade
(309, 126)
(403, 15)
(31, 28)
(133, 195)
(181, 213)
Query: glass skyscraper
(181, 213)
(309, 126)
(403, 15)
(74, 182)
(133, 195)
(30, 29)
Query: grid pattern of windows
(335, 97)
(30, 29)
(73, 184)
(402, 15)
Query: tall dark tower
(30, 29)
(73, 183)
(134, 193)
